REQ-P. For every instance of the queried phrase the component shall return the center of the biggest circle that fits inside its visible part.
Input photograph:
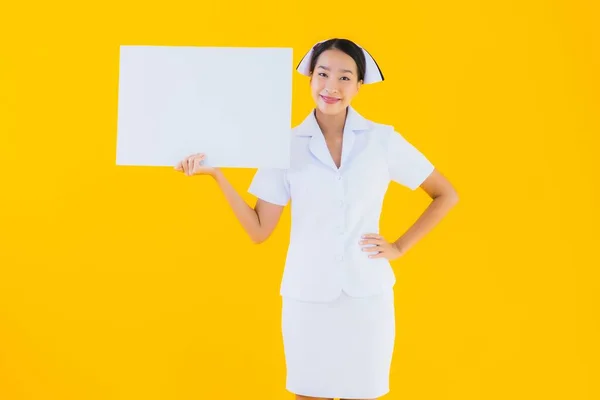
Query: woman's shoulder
(379, 131)
(372, 125)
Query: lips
(330, 100)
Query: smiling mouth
(330, 100)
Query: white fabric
(341, 349)
(332, 208)
(372, 72)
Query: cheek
(316, 91)
(350, 92)
(315, 85)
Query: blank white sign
(231, 103)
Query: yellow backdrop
(138, 283)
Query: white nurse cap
(372, 71)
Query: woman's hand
(380, 246)
(193, 165)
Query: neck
(331, 125)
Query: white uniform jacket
(332, 208)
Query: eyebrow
(327, 69)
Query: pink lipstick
(329, 100)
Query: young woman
(338, 319)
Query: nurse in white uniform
(338, 318)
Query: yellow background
(138, 283)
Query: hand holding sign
(194, 165)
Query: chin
(331, 109)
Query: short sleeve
(407, 165)
(271, 185)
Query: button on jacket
(331, 208)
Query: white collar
(354, 124)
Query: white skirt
(342, 349)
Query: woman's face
(334, 81)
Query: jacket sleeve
(407, 165)
(271, 185)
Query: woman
(338, 304)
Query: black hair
(345, 45)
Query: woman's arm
(260, 221)
(444, 198)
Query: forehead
(336, 59)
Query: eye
(322, 74)
(345, 77)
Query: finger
(191, 165)
(370, 241)
(178, 166)
(371, 236)
(373, 253)
(379, 255)
(184, 165)
(371, 249)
